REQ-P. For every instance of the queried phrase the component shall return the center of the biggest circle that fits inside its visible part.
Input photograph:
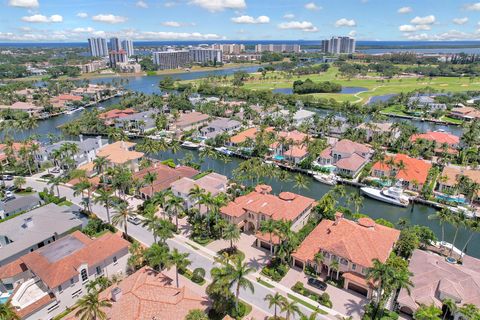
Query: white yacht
(392, 195)
(71, 111)
(328, 179)
(190, 145)
(224, 150)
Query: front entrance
(298, 264)
(358, 289)
(250, 227)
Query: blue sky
(76, 20)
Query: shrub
(275, 270)
(28, 189)
(198, 275)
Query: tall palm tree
(100, 163)
(238, 272)
(90, 307)
(430, 312)
(150, 178)
(196, 193)
(120, 218)
(381, 274)
(231, 233)
(443, 216)
(319, 258)
(7, 312)
(269, 226)
(473, 226)
(175, 207)
(157, 256)
(180, 261)
(150, 222)
(301, 182)
(55, 182)
(104, 197)
(335, 266)
(276, 300)
(450, 307)
(162, 230)
(457, 220)
(290, 308)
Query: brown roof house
(347, 156)
(47, 281)
(121, 153)
(354, 244)
(190, 120)
(434, 280)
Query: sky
(147, 20)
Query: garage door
(358, 289)
(265, 245)
(299, 264)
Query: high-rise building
(119, 56)
(338, 45)
(171, 59)
(230, 48)
(115, 44)
(98, 47)
(127, 45)
(277, 48)
(205, 55)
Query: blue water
(279, 158)
(450, 198)
(382, 98)
(345, 90)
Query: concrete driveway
(346, 302)
(256, 257)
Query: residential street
(200, 257)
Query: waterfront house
(212, 183)
(425, 102)
(18, 205)
(250, 210)
(413, 175)
(188, 121)
(14, 149)
(300, 116)
(64, 100)
(248, 134)
(109, 117)
(440, 138)
(465, 113)
(27, 107)
(166, 176)
(154, 296)
(373, 129)
(34, 229)
(140, 122)
(219, 126)
(121, 153)
(94, 92)
(347, 156)
(51, 279)
(286, 140)
(353, 244)
(448, 180)
(87, 150)
(435, 279)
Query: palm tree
(450, 307)
(162, 230)
(100, 163)
(457, 220)
(120, 219)
(196, 193)
(430, 312)
(356, 200)
(314, 315)
(290, 308)
(335, 266)
(175, 206)
(319, 258)
(301, 182)
(157, 256)
(473, 225)
(150, 178)
(55, 182)
(231, 233)
(89, 307)
(196, 314)
(150, 221)
(7, 312)
(104, 197)
(442, 216)
(275, 300)
(238, 273)
(180, 261)
(269, 226)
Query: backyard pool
(279, 158)
(5, 296)
(448, 198)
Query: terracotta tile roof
(451, 174)
(285, 206)
(415, 169)
(438, 137)
(249, 133)
(212, 182)
(37, 305)
(147, 295)
(357, 277)
(467, 112)
(295, 135)
(54, 272)
(68, 97)
(296, 151)
(118, 152)
(12, 269)
(349, 147)
(116, 113)
(266, 237)
(191, 118)
(352, 163)
(359, 242)
(165, 176)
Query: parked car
(55, 170)
(8, 194)
(7, 177)
(134, 220)
(317, 284)
(8, 198)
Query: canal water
(418, 215)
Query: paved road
(200, 258)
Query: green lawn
(306, 304)
(451, 120)
(265, 283)
(396, 109)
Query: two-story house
(219, 126)
(347, 156)
(122, 153)
(249, 211)
(45, 282)
(352, 245)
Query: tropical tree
(276, 300)
(231, 233)
(175, 207)
(19, 182)
(355, 200)
(450, 307)
(55, 182)
(120, 218)
(104, 197)
(150, 178)
(100, 163)
(157, 256)
(180, 261)
(301, 182)
(319, 258)
(163, 230)
(269, 227)
(238, 278)
(90, 307)
(443, 216)
(196, 314)
(430, 312)
(7, 312)
(290, 308)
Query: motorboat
(392, 195)
(328, 179)
(72, 111)
(469, 213)
(224, 151)
(190, 145)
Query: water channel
(418, 215)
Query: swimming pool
(445, 197)
(279, 158)
(5, 296)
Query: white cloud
(83, 30)
(345, 23)
(169, 4)
(404, 10)
(219, 5)
(142, 4)
(352, 33)
(413, 28)
(109, 18)
(24, 3)
(449, 35)
(473, 6)
(305, 26)
(40, 18)
(312, 6)
(423, 20)
(251, 20)
(176, 24)
(82, 15)
(460, 21)
(289, 16)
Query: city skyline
(148, 20)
